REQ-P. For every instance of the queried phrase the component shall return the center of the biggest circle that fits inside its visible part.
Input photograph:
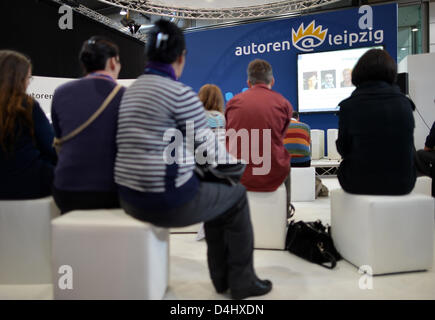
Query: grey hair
(260, 71)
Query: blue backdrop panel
(221, 56)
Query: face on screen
(328, 80)
(312, 82)
(347, 78)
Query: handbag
(312, 241)
(224, 173)
(58, 142)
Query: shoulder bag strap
(72, 134)
(327, 256)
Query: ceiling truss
(266, 10)
(105, 20)
(238, 13)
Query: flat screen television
(324, 78)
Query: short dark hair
(96, 51)
(259, 71)
(375, 64)
(295, 115)
(165, 42)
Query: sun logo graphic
(306, 39)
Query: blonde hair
(211, 97)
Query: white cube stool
(110, 255)
(387, 233)
(303, 184)
(423, 185)
(317, 144)
(332, 147)
(269, 218)
(25, 247)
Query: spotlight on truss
(130, 24)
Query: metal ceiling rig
(148, 7)
(266, 10)
(104, 20)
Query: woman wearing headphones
(160, 186)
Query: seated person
(425, 159)
(167, 192)
(27, 158)
(297, 141)
(376, 131)
(213, 101)
(84, 174)
(265, 113)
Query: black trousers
(228, 230)
(287, 184)
(84, 200)
(301, 164)
(31, 183)
(425, 163)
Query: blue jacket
(86, 161)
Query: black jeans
(84, 200)
(425, 164)
(287, 183)
(30, 183)
(301, 164)
(228, 230)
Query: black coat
(376, 141)
(28, 171)
(430, 139)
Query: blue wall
(216, 55)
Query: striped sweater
(153, 104)
(297, 141)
